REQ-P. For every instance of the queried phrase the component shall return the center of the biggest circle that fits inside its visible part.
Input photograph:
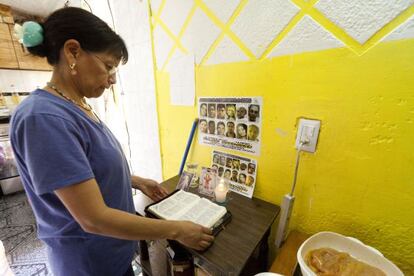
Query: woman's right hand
(194, 235)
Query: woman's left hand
(152, 189)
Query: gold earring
(72, 69)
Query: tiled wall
(231, 31)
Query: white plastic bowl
(352, 246)
(4, 266)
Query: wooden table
(233, 249)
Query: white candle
(220, 191)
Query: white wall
(22, 80)
(137, 104)
(136, 85)
(38, 7)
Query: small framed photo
(207, 181)
(185, 180)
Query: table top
(233, 246)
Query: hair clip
(30, 34)
(18, 32)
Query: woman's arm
(136, 181)
(149, 187)
(85, 203)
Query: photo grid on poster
(241, 171)
(232, 123)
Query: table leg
(143, 252)
(144, 258)
(264, 251)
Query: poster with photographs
(233, 123)
(241, 171)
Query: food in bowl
(330, 262)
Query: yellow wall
(360, 182)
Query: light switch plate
(308, 132)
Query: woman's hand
(194, 235)
(149, 187)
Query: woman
(252, 133)
(227, 174)
(221, 129)
(203, 126)
(203, 110)
(216, 158)
(250, 180)
(241, 131)
(72, 167)
(231, 112)
(242, 178)
(229, 162)
(236, 164)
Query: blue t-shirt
(57, 145)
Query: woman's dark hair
(90, 31)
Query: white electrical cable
(301, 144)
(295, 175)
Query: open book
(182, 205)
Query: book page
(175, 206)
(204, 212)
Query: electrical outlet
(307, 136)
